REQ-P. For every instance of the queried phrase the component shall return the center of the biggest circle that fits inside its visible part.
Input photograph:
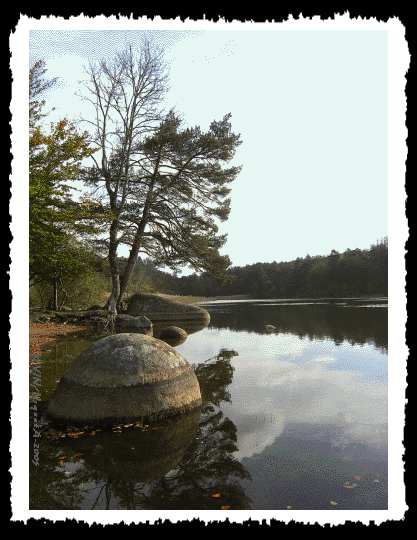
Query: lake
(293, 417)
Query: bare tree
(126, 93)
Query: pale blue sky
(312, 111)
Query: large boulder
(124, 378)
(163, 312)
(135, 325)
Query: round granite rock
(124, 378)
(173, 335)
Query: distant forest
(351, 273)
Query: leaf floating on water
(358, 478)
(376, 480)
(217, 495)
(350, 486)
(289, 507)
(333, 503)
(225, 508)
(78, 455)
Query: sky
(311, 107)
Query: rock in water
(163, 312)
(124, 378)
(135, 325)
(173, 336)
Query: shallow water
(293, 418)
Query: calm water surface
(291, 418)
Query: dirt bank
(41, 333)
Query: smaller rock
(269, 328)
(133, 325)
(173, 335)
(225, 354)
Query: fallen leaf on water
(217, 495)
(376, 480)
(350, 486)
(289, 507)
(62, 457)
(333, 503)
(358, 478)
(225, 507)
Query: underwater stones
(123, 378)
(163, 312)
(138, 325)
(173, 335)
(139, 453)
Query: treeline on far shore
(352, 273)
(349, 274)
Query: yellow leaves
(225, 508)
(216, 495)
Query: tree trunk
(111, 304)
(55, 293)
(63, 291)
(134, 251)
(131, 263)
(133, 257)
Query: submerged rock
(124, 378)
(139, 452)
(173, 335)
(269, 328)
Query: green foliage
(55, 220)
(80, 292)
(37, 85)
(349, 274)
(171, 199)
